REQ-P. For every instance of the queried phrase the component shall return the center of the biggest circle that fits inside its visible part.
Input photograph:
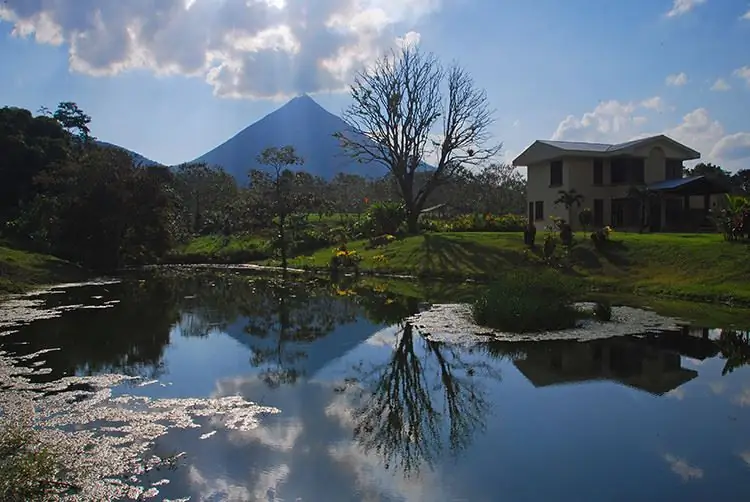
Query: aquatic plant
(527, 301)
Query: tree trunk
(282, 241)
(412, 220)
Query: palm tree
(569, 198)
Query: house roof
(542, 150)
(696, 185)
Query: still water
(358, 406)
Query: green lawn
(218, 249)
(691, 266)
(21, 270)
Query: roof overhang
(695, 185)
(544, 151)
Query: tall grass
(527, 301)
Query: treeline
(65, 194)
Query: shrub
(529, 234)
(344, 258)
(29, 469)
(309, 240)
(602, 311)
(486, 223)
(384, 218)
(528, 301)
(601, 236)
(585, 218)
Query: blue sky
(171, 79)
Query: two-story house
(605, 176)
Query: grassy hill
(691, 266)
(21, 270)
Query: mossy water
(233, 387)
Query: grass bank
(22, 270)
(699, 267)
(220, 249)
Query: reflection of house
(604, 174)
(630, 361)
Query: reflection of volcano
(318, 353)
(631, 361)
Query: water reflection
(371, 409)
(652, 363)
(412, 399)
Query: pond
(256, 389)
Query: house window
(531, 211)
(637, 170)
(619, 170)
(598, 172)
(628, 170)
(598, 212)
(556, 173)
(674, 169)
(539, 210)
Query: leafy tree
(741, 180)
(206, 194)
(399, 105)
(276, 190)
(74, 120)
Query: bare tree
(407, 107)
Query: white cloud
(746, 15)
(680, 467)
(615, 122)
(610, 121)
(743, 73)
(720, 85)
(733, 146)
(655, 103)
(257, 48)
(680, 7)
(677, 79)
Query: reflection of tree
(401, 420)
(735, 348)
(128, 338)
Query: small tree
(569, 198)
(407, 107)
(276, 189)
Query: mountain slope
(137, 157)
(302, 123)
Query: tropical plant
(733, 221)
(569, 198)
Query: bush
(485, 223)
(601, 236)
(309, 240)
(29, 469)
(527, 301)
(384, 218)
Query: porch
(678, 205)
